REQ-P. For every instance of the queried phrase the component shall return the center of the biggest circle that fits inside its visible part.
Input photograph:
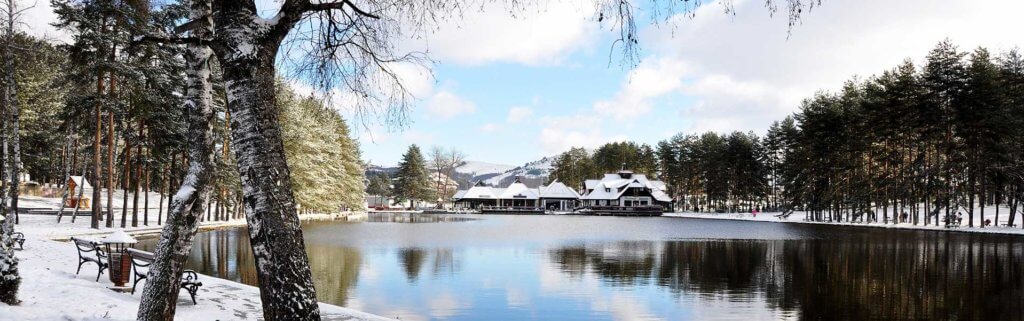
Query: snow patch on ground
(50, 290)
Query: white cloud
(555, 140)
(541, 34)
(654, 77)
(489, 128)
(518, 114)
(446, 105)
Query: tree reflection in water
(892, 276)
(811, 272)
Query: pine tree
(412, 181)
(327, 173)
(573, 167)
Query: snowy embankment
(50, 290)
(798, 218)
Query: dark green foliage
(573, 167)
(412, 181)
(379, 185)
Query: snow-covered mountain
(532, 173)
(476, 168)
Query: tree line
(915, 144)
(577, 165)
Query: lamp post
(117, 244)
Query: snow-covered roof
(558, 190)
(459, 194)
(591, 183)
(519, 190)
(480, 191)
(119, 237)
(611, 186)
(79, 181)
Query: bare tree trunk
(159, 297)
(10, 278)
(97, 167)
(286, 284)
(67, 174)
(145, 202)
(163, 190)
(126, 182)
(138, 177)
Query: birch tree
(159, 297)
(11, 163)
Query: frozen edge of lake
(797, 218)
(50, 290)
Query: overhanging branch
(340, 5)
(168, 40)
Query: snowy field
(798, 217)
(50, 290)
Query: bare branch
(167, 40)
(340, 5)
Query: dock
(641, 211)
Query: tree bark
(97, 167)
(138, 177)
(145, 201)
(10, 278)
(159, 297)
(126, 182)
(246, 49)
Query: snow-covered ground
(798, 217)
(50, 290)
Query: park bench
(19, 238)
(85, 250)
(142, 259)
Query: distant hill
(533, 173)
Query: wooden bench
(142, 259)
(85, 250)
(20, 239)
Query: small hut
(73, 184)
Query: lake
(495, 267)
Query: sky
(512, 90)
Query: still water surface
(472, 267)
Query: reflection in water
(916, 277)
(385, 217)
(412, 262)
(659, 269)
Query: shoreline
(770, 218)
(48, 264)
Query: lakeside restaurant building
(626, 189)
(517, 195)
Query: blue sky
(512, 90)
